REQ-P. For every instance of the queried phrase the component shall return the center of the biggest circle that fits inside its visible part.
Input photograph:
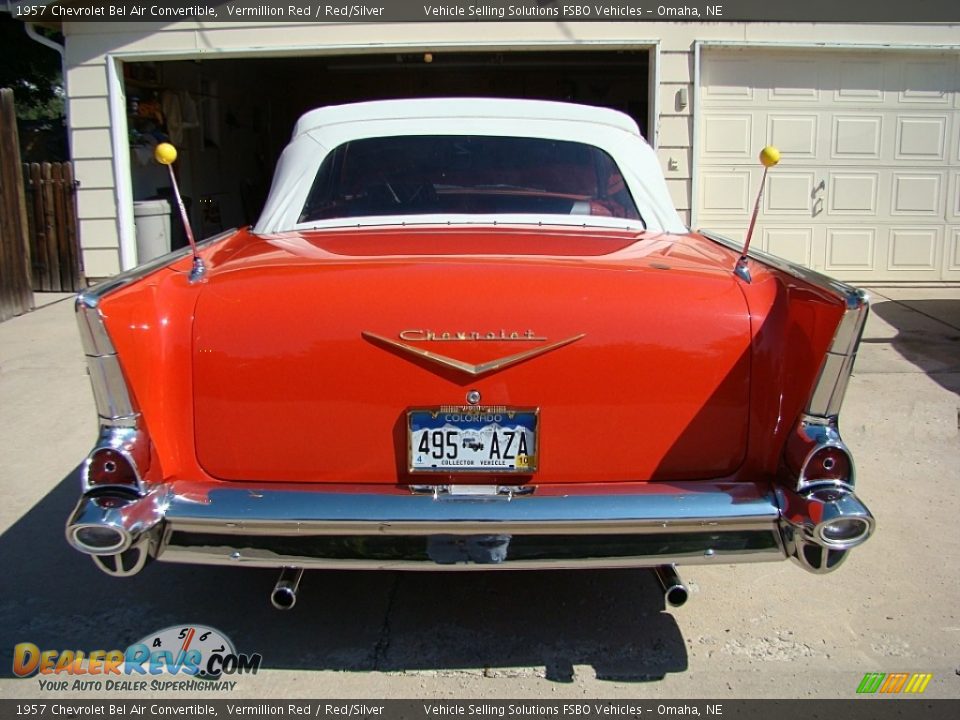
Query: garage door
(868, 188)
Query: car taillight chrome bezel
(811, 438)
(128, 445)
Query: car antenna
(769, 157)
(166, 154)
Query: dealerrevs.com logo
(894, 683)
(180, 657)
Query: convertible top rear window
(467, 174)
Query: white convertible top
(320, 131)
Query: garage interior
(231, 118)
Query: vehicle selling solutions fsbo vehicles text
(568, 10)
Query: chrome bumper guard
(675, 523)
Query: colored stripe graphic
(914, 683)
(918, 682)
(894, 683)
(870, 683)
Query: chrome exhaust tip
(822, 525)
(675, 593)
(120, 532)
(284, 595)
(98, 539)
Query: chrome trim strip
(93, 334)
(110, 390)
(258, 511)
(831, 386)
(91, 296)
(249, 557)
(848, 293)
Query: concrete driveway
(765, 630)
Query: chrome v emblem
(470, 368)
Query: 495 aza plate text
(472, 438)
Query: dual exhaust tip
(675, 593)
(284, 594)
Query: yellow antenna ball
(769, 156)
(165, 154)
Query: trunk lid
(293, 382)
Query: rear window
(467, 174)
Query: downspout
(59, 49)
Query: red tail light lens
(109, 467)
(829, 463)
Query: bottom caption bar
(864, 709)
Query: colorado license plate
(472, 439)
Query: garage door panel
(951, 270)
(916, 194)
(737, 233)
(797, 136)
(790, 193)
(728, 136)
(857, 137)
(859, 81)
(851, 249)
(955, 132)
(853, 193)
(725, 192)
(726, 79)
(914, 251)
(954, 197)
(794, 81)
(921, 137)
(927, 82)
(793, 243)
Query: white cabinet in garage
(868, 188)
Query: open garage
(231, 118)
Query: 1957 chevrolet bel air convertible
(468, 334)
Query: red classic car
(468, 334)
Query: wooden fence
(16, 295)
(51, 196)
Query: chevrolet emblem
(465, 367)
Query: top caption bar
(167, 11)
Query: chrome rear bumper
(642, 526)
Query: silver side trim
(253, 557)
(831, 386)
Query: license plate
(472, 439)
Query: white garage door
(868, 188)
